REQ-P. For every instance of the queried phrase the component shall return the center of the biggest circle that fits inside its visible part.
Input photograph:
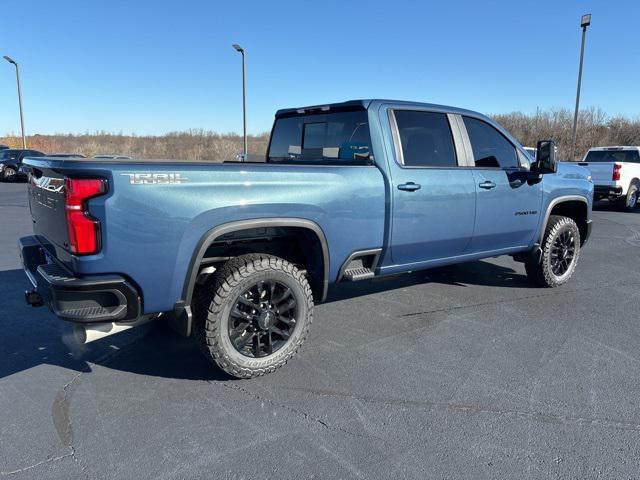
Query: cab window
(426, 139)
(490, 148)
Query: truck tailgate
(46, 203)
(601, 172)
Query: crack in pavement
(29, 467)
(593, 421)
(634, 238)
(308, 417)
(60, 409)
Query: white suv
(616, 174)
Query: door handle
(487, 185)
(409, 187)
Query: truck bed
(155, 212)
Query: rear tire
(253, 315)
(629, 202)
(560, 253)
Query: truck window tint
(597, 156)
(426, 139)
(340, 138)
(490, 147)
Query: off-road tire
(214, 300)
(540, 272)
(629, 202)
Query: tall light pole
(585, 21)
(11, 60)
(244, 99)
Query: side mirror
(545, 157)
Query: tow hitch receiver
(33, 298)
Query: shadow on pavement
(33, 336)
(606, 206)
(463, 274)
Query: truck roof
(366, 103)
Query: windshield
(340, 138)
(4, 154)
(595, 156)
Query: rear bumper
(94, 299)
(606, 191)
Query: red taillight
(616, 171)
(84, 230)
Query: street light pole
(244, 99)
(11, 60)
(585, 21)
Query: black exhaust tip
(33, 298)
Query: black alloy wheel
(263, 319)
(563, 252)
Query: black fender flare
(557, 201)
(182, 309)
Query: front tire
(254, 315)
(8, 174)
(560, 253)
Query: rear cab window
(598, 156)
(333, 138)
(490, 148)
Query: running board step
(355, 274)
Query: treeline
(189, 145)
(595, 128)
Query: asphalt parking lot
(465, 372)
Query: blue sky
(151, 67)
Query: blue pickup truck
(235, 254)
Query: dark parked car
(3, 147)
(11, 161)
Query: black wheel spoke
(256, 348)
(239, 330)
(283, 334)
(283, 296)
(243, 340)
(236, 312)
(286, 320)
(261, 290)
(269, 344)
(245, 301)
(287, 306)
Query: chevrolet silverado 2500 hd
(236, 254)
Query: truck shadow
(473, 273)
(33, 336)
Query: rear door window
(340, 138)
(490, 147)
(425, 138)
